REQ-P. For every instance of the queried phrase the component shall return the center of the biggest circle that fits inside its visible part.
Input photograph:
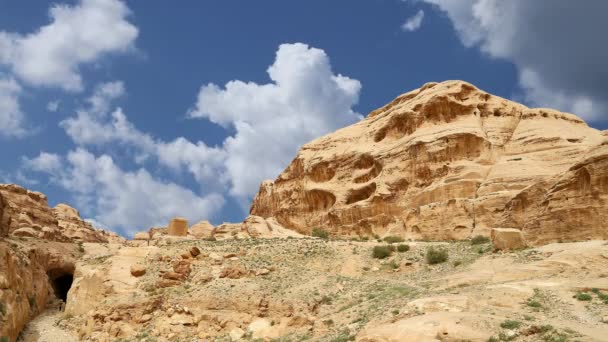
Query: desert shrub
(2, 308)
(393, 239)
(436, 256)
(403, 248)
(457, 263)
(382, 252)
(326, 300)
(4, 339)
(479, 240)
(534, 304)
(320, 233)
(585, 297)
(211, 238)
(510, 324)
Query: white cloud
(131, 200)
(304, 101)
(414, 22)
(77, 35)
(44, 162)
(271, 121)
(96, 125)
(53, 106)
(11, 116)
(558, 47)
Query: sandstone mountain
(448, 161)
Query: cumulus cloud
(271, 121)
(414, 22)
(99, 124)
(558, 47)
(11, 116)
(44, 162)
(128, 200)
(76, 35)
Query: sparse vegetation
(436, 255)
(382, 252)
(583, 297)
(479, 240)
(320, 233)
(2, 308)
(32, 301)
(393, 239)
(510, 324)
(403, 248)
(4, 339)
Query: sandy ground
(44, 329)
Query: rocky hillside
(39, 246)
(310, 289)
(448, 161)
(26, 213)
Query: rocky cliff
(448, 161)
(26, 213)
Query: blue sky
(137, 111)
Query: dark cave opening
(61, 285)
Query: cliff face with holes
(448, 161)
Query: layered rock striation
(448, 161)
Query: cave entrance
(61, 286)
(61, 281)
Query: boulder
(507, 239)
(178, 227)
(142, 236)
(202, 230)
(25, 232)
(138, 270)
(233, 272)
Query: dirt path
(43, 329)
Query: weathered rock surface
(202, 230)
(26, 213)
(507, 239)
(448, 161)
(178, 227)
(26, 274)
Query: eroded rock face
(178, 227)
(26, 275)
(448, 161)
(26, 213)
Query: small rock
(605, 319)
(195, 251)
(237, 334)
(138, 270)
(145, 318)
(263, 271)
(229, 255)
